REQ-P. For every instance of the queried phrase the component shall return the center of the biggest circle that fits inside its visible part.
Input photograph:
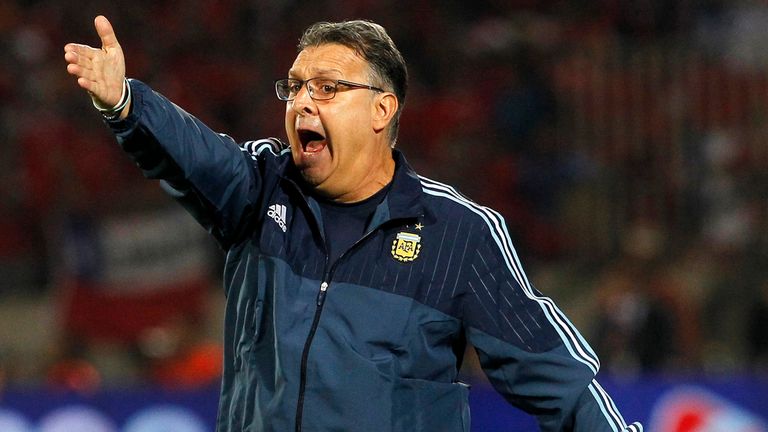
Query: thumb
(105, 31)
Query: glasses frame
(337, 83)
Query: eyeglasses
(318, 88)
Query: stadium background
(624, 141)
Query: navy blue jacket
(373, 342)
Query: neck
(376, 178)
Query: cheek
(290, 118)
(290, 125)
(350, 124)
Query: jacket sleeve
(218, 181)
(529, 350)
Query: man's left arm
(530, 351)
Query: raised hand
(100, 71)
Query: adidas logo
(277, 213)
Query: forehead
(328, 60)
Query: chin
(312, 177)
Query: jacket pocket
(426, 406)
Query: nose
(303, 104)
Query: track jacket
(373, 342)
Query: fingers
(106, 32)
(74, 58)
(79, 65)
(79, 71)
(100, 71)
(80, 50)
(86, 80)
(82, 67)
(86, 84)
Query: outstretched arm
(219, 182)
(100, 71)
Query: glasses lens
(283, 89)
(321, 88)
(318, 88)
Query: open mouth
(311, 141)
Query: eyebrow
(318, 72)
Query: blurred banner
(125, 273)
(663, 404)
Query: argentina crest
(406, 247)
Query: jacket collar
(404, 197)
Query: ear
(384, 109)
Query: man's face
(333, 142)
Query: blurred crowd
(624, 142)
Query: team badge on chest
(406, 247)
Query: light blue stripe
(610, 405)
(584, 344)
(554, 315)
(599, 400)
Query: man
(352, 284)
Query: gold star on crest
(419, 226)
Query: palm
(100, 71)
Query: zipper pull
(321, 294)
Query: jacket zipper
(305, 354)
(308, 343)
